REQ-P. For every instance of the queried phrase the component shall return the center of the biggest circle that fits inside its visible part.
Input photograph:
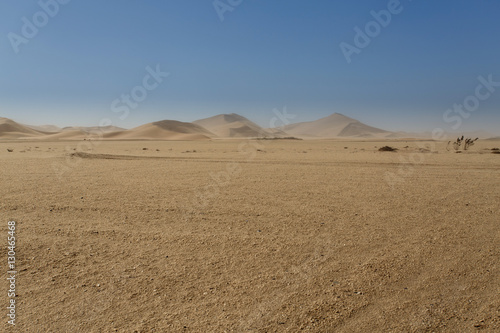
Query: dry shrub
(387, 148)
(467, 142)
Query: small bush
(467, 142)
(387, 148)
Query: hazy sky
(76, 64)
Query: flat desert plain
(252, 236)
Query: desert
(232, 166)
(251, 235)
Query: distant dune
(163, 130)
(221, 126)
(470, 134)
(66, 135)
(335, 125)
(45, 128)
(94, 129)
(9, 129)
(277, 132)
(81, 133)
(232, 126)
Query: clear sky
(264, 55)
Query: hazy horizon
(278, 124)
(398, 73)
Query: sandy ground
(246, 236)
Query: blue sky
(263, 55)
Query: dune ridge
(335, 125)
(232, 126)
(44, 128)
(93, 129)
(9, 129)
(163, 130)
(220, 126)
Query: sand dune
(80, 133)
(163, 130)
(95, 129)
(361, 130)
(335, 125)
(45, 128)
(221, 126)
(9, 129)
(277, 132)
(69, 135)
(232, 126)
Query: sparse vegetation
(387, 148)
(462, 143)
(469, 142)
(233, 195)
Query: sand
(9, 129)
(335, 125)
(163, 130)
(45, 128)
(232, 126)
(92, 129)
(252, 236)
(160, 130)
(223, 126)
